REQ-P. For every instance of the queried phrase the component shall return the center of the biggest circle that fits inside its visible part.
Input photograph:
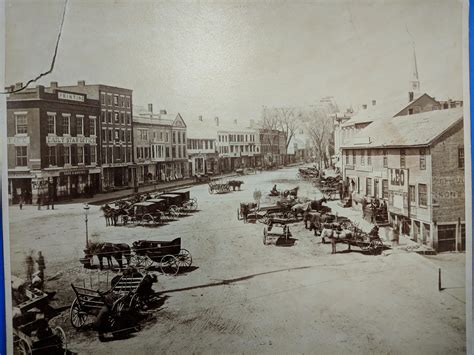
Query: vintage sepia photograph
(251, 177)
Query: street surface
(243, 296)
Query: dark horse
(109, 250)
(317, 205)
(245, 209)
(235, 183)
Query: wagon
(356, 237)
(186, 201)
(169, 255)
(219, 188)
(37, 337)
(111, 309)
(179, 203)
(278, 235)
(146, 212)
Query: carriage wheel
(173, 210)
(346, 225)
(116, 313)
(62, 337)
(185, 259)
(169, 265)
(211, 190)
(192, 204)
(136, 302)
(376, 246)
(78, 317)
(362, 244)
(23, 347)
(147, 218)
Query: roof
(411, 130)
(385, 108)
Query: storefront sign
(398, 180)
(74, 172)
(70, 140)
(71, 97)
(21, 140)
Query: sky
(230, 58)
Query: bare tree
(318, 124)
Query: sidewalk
(105, 197)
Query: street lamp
(86, 212)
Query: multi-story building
(202, 149)
(115, 140)
(273, 146)
(237, 147)
(415, 163)
(52, 144)
(160, 146)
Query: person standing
(29, 263)
(41, 265)
(39, 202)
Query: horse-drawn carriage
(307, 173)
(169, 255)
(218, 187)
(107, 250)
(251, 212)
(179, 203)
(235, 184)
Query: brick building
(273, 147)
(160, 146)
(415, 163)
(52, 144)
(115, 126)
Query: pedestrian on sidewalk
(41, 265)
(29, 264)
(39, 202)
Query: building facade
(52, 144)
(273, 147)
(160, 150)
(237, 148)
(115, 140)
(202, 148)
(416, 164)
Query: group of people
(35, 278)
(377, 208)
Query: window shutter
(73, 154)
(60, 154)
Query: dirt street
(243, 296)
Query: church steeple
(414, 81)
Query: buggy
(168, 254)
(218, 187)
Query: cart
(278, 236)
(37, 337)
(218, 187)
(168, 254)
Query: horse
(109, 250)
(300, 208)
(336, 236)
(235, 183)
(107, 210)
(245, 209)
(318, 204)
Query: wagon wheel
(147, 262)
(173, 210)
(23, 347)
(265, 233)
(147, 218)
(192, 204)
(136, 302)
(346, 225)
(376, 246)
(116, 313)
(62, 337)
(78, 317)
(211, 189)
(264, 219)
(169, 265)
(185, 259)
(362, 244)
(124, 219)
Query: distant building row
(69, 141)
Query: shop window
(67, 154)
(412, 194)
(21, 156)
(368, 187)
(422, 195)
(66, 125)
(402, 158)
(93, 154)
(21, 124)
(51, 123)
(80, 154)
(422, 159)
(52, 155)
(80, 125)
(92, 126)
(384, 189)
(461, 158)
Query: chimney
(53, 84)
(364, 107)
(411, 96)
(163, 112)
(200, 118)
(18, 86)
(81, 83)
(40, 89)
(150, 108)
(216, 120)
(374, 102)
